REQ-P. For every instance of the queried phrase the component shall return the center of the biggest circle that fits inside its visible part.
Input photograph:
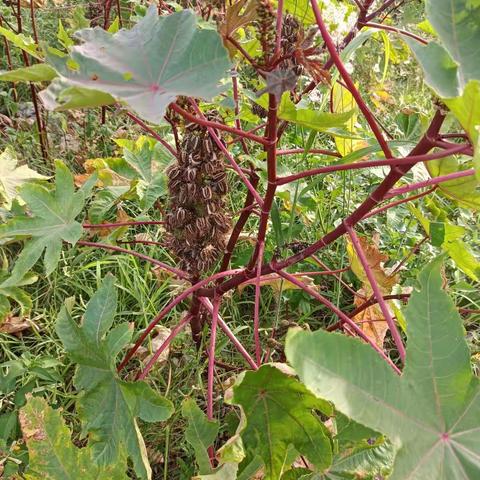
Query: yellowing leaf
(375, 261)
(12, 176)
(279, 284)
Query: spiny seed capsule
(207, 193)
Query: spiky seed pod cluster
(196, 222)
(291, 34)
(265, 26)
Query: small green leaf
(279, 416)
(23, 42)
(148, 66)
(431, 412)
(108, 405)
(200, 434)
(310, 118)
(52, 455)
(40, 72)
(52, 222)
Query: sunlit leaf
(12, 176)
(148, 66)
(52, 222)
(40, 72)
(23, 42)
(431, 412)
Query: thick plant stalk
(378, 294)
(42, 134)
(177, 329)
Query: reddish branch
(378, 294)
(179, 273)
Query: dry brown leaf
(161, 333)
(375, 260)
(13, 325)
(235, 20)
(371, 321)
(279, 284)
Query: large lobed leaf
(431, 413)
(52, 222)
(109, 406)
(280, 421)
(52, 455)
(148, 66)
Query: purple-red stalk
(378, 294)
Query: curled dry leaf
(371, 320)
(279, 284)
(13, 325)
(161, 333)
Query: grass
(305, 216)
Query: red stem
(256, 310)
(182, 296)
(211, 357)
(388, 28)
(219, 126)
(378, 294)
(398, 202)
(153, 133)
(240, 348)
(349, 82)
(432, 181)
(178, 328)
(320, 151)
(179, 273)
(121, 224)
(339, 314)
(391, 162)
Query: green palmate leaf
(40, 72)
(52, 455)
(109, 406)
(21, 41)
(465, 190)
(148, 66)
(149, 160)
(280, 421)
(60, 96)
(431, 412)
(200, 434)
(12, 176)
(52, 222)
(306, 117)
